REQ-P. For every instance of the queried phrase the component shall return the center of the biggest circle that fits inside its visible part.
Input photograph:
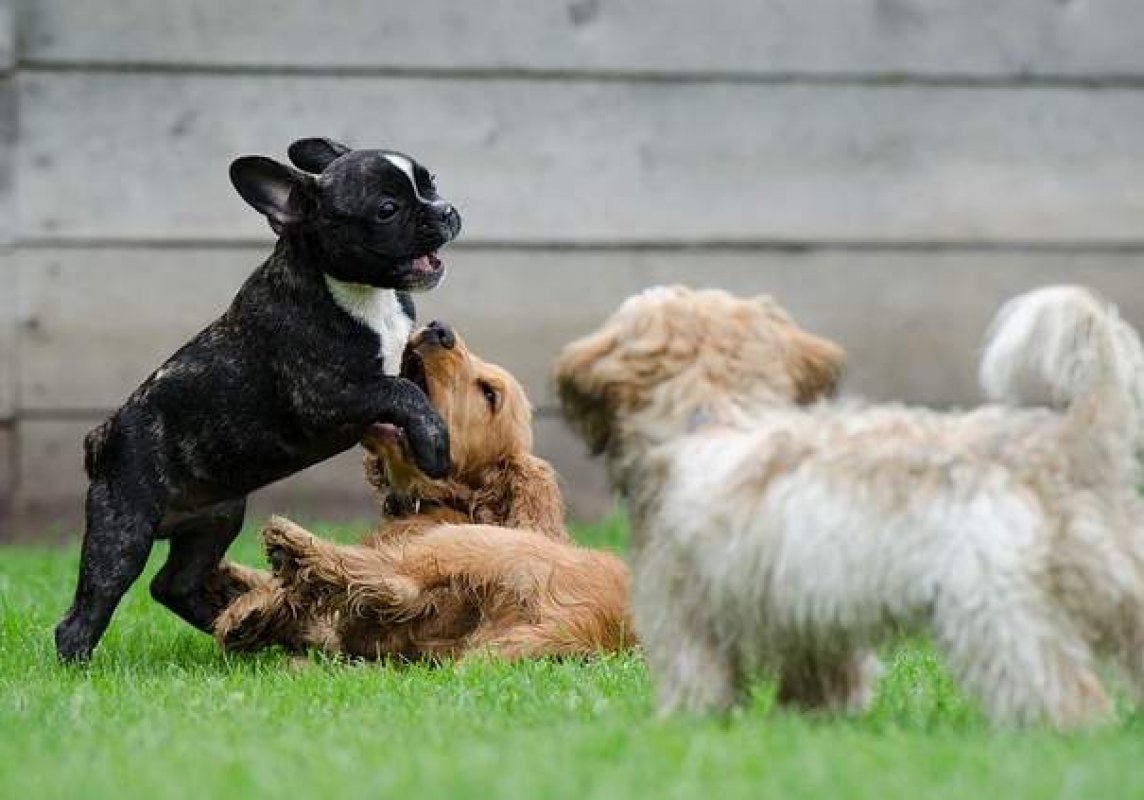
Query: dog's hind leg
(838, 681)
(191, 582)
(262, 617)
(1124, 642)
(1025, 666)
(547, 639)
(116, 544)
(1122, 614)
(362, 580)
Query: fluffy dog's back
(1067, 348)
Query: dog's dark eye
(490, 394)
(386, 210)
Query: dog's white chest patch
(381, 312)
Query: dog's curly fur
(771, 532)
(424, 585)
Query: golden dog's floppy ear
(523, 492)
(375, 472)
(816, 365)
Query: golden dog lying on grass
(773, 531)
(429, 583)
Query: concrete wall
(890, 169)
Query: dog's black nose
(440, 334)
(452, 219)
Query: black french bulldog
(302, 363)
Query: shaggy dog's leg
(1124, 641)
(189, 583)
(1126, 645)
(693, 672)
(694, 675)
(835, 682)
(1131, 659)
(1024, 665)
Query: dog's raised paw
(284, 544)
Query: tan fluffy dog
(772, 535)
(515, 590)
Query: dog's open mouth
(424, 272)
(428, 264)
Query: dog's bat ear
(273, 189)
(315, 154)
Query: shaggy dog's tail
(1067, 348)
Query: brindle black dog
(304, 360)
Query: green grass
(161, 713)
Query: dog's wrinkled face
(487, 412)
(691, 354)
(368, 216)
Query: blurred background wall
(890, 169)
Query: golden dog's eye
(490, 394)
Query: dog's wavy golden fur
(479, 562)
(454, 590)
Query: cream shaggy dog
(772, 532)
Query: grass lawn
(161, 713)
